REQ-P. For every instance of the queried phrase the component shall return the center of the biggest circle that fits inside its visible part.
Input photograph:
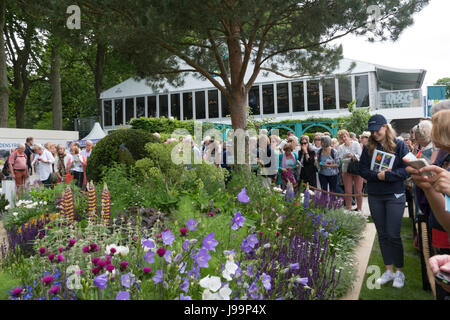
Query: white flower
(225, 292)
(277, 189)
(7, 207)
(123, 251)
(111, 246)
(211, 283)
(267, 246)
(207, 295)
(15, 214)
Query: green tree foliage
(168, 126)
(445, 82)
(218, 40)
(358, 121)
(106, 151)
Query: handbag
(353, 167)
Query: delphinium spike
(106, 206)
(92, 203)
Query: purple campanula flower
(191, 224)
(127, 280)
(183, 297)
(294, 266)
(100, 281)
(150, 257)
(158, 277)
(185, 285)
(302, 281)
(186, 245)
(202, 258)
(209, 242)
(167, 237)
(195, 272)
(123, 295)
(149, 243)
(168, 256)
(265, 279)
(238, 221)
(243, 197)
(253, 290)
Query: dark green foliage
(106, 151)
(168, 126)
(3, 203)
(358, 121)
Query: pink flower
(112, 250)
(95, 260)
(86, 249)
(16, 291)
(147, 270)
(278, 233)
(123, 265)
(211, 213)
(101, 263)
(110, 267)
(54, 290)
(51, 256)
(72, 242)
(161, 252)
(93, 247)
(96, 270)
(47, 279)
(183, 231)
(42, 250)
(60, 258)
(60, 250)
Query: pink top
(18, 161)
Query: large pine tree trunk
(99, 75)
(4, 93)
(55, 83)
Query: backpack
(5, 169)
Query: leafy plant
(357, 121)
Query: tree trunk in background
(55, 83)
(4, 93)
(99, 75)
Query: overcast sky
(424, 45)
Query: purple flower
(149, 243)
(202, 258)
(182, 267)
(249, 243)
(86, 249)
(167, 237)
(158, 277)
(123, 295)
(54, 290)
(17, 291)
(60, 258)
(242, 196)
(253, 290)
(302, 281)
(168, 256)
(294, 266)
(185, 285)
(192, 224)
(265, 279)
(306, 197)
(146, 270)
(183, 297)
(186, 245)
(42, 250)
(161, 252)
(150, 257)
(127, 280)
(238, 221)
(209, 242)
(72, 242)
(47, 279)
(123, 265)
(100, 281)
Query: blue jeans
(387, 213)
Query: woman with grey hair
(422, 133)
(44, 161)
(328, 164)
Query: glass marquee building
(395, 93)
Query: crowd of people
(51, 163)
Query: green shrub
(121, 146)
(167, 126)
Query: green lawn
(412, 270)
(6, 284)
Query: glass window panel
(298, 97)
(213, 104)
(175, 105)
(187, 106)
(151, 105)
(268, 102)
(118, 112)
(200, 105)
(362, 91)
(329, 94)
(345, 92)
(163, 106)
(225, 107)
(282, 98)
(253, 100)
(140, 107)
(312, 88)
(129, 109)
(107, 109)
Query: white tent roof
(96, 133)
(132, 87)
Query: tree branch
(223, 70)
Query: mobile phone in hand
(443, 277)
(419, 164)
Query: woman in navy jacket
(386, 190)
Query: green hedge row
(167, 126)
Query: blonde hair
(441, 128)
(341, 134)
(388, 144)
